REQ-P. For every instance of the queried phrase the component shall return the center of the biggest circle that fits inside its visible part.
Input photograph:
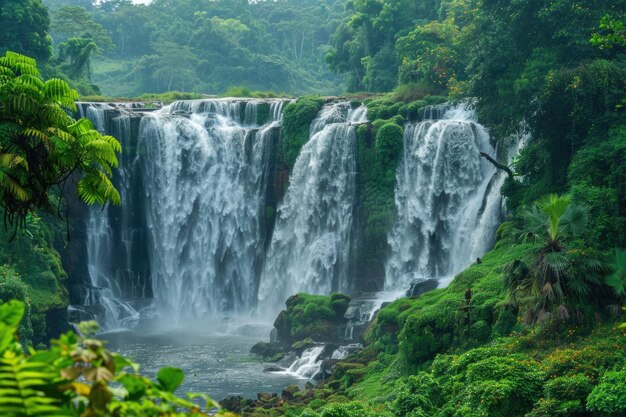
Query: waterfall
(307, 365)
(189, 237)
(205, 204)
(310, 247)
(113, 264)
(448, 202)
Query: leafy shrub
(78, 377)
(500, 387)
(608, 398)
(419, 396)
(12, 288)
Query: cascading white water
(310, 247)
(307, 365)
(448, 200)
(190, 233)
(107, 283)
(205, 204)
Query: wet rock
(422, 286)
(289, 392)
(232, 404)
(265, 397)
(267, 350)
(273, 369)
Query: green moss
(310, 318)
(379, 148)
(38, 267)
(13, 288)
(297, 118)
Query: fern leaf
(7, 72)
(22, 394)
(15, 189)
(58, 90)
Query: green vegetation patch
(297, 118)
(310, 318)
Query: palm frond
(554, 206)
(13, 187)
(617, 279)
(575, 219)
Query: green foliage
(78, 377)
(297, 118)
(351, 409)
(565, 396)
(419, 396)
(617, 278)
(34, 265)
(41, 146)
(246, 92)
(25, 28)
(553, 278)
(13, 288)
(170, 96)
(608, 398)
(215, 45)
(311, 317)
(612, 33)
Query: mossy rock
(297, 118)
(311, 318)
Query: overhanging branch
(498, 165)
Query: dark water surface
(219, 365)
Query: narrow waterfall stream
(310, 247)
(448, 200)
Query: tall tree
(25, 26)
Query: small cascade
(310, 248)
(342, 352)
(362, 309)
(448, 200)
(307, 365)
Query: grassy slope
(430, 337)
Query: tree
(24, 26)
(42, 147)
(554, 276)
(74, 21)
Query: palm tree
(555, 275)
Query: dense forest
(534, 327)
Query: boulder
(267, 350)
(273, 368)
(422, 286)
(232, 403)
(289, 392)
